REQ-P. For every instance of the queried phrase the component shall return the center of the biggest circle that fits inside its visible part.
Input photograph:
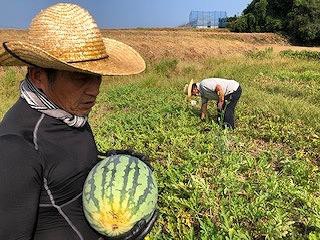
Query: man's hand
(220, 105)
(203, 111)
(202, 117)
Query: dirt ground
(186, 43)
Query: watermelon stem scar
(114, 227)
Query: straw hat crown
(66, 37)
(68, 32)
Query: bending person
(225, 92)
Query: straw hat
(188, 89)
(66, 37)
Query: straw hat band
(54, 31)
(29, 63)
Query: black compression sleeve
(20, 184)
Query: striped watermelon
(118, 192)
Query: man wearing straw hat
(46, 144)
(226, 92)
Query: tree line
(298, 19)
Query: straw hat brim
(188, 89)
(122, 59)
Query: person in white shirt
(226, 92)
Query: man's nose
(93, 87)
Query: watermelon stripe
(135, 183)
(142, 184)
(116, 161)
(104, 176)
(125, 177)
(92, 185)
(147, 190)
(129, 187)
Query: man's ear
(38, 76)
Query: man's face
(195, 91)
(74, 92)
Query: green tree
(299, 19)
(253, 19)
(274, 24)
(251, 22)
(304, 21)
(279, 9)
(260, 12)
(241, 24)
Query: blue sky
(121, 13)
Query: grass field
(260, 181)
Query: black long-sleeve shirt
(43, 166)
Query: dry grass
(184, 43)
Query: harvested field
(186, 44)
(260, 181)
